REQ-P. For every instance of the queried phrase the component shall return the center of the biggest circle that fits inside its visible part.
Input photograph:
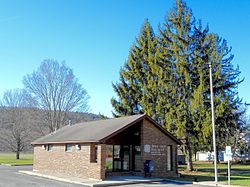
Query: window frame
(93, 153)
(67, 148)
(169, 158)
(49, 147)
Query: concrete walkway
(112, 181)
(118, 180)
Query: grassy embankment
(10, 158)
(204, 171)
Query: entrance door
(136, 158)
(126, 157)
(121, 158)
(117, 158)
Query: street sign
(228, 153)
(228, 149)
(228, 157)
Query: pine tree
(211, 49)
(167, 77)
(177, 39)
(192, 49)
(134, 77)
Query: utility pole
(213, 124)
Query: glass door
(121, 158)
(137, 158)
(126, 157)
(117, 158)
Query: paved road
(10, 177)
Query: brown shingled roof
(95, 131)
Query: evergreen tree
(177, 38)
(192, 49)
(167, 77)
(134, 76)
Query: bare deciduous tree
(57, 92)
(15, 133)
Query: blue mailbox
(148, 168)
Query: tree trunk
(18, 150)
(17, 155)
(189, 161)
(217, 155)
(189, 156)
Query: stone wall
(154, 147)
(74, 163)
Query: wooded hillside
(34, 126)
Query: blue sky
(94, 37)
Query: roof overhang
(101, 141)
(145, 116)
(66, 142)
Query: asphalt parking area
(10, 177)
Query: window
(169, 158)
(93, 153)
(49, 147)
(68, 147)
(78, 147)
(109, 158)
(117, 158)
(137, 157)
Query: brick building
(97, 149)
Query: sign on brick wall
(155, 149)
(158, 150)
(147, 148)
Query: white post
(213, 124)
(228, 172)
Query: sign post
(228, 172)
(228, 157)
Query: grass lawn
(10, 158)
(204, 171)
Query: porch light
(137, 134)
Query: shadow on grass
(196, 178)
(224, 170)
(240, 174)
(200, 178)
